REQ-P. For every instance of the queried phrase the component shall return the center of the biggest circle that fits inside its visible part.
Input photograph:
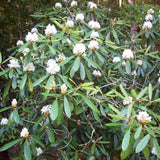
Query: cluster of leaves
(90, 121)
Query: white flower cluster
(93, 44)
(123, 63)
(46, 110)
(58, 5)
(50, 30)
(97, 73)
(79, 49)
(4, 121)
(60, 58)
(139, 62)
(149, 17)
(39, 151)
(143, 117)
(94, 35)
(29, 67)
(13, 64)
(127, 100)
(19, 43)
(14, 103)
(31, 37)
(25, 51)
(127, 54)
(80, 17)
(154, 151)
(159, 80)
(34, 30)
(134, 73)
(63, 89)
(92, 5)
(73, 3)
(95, 25)
(52, 66)
(116, 59)
(24, 133)
(69, 23)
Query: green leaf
(10, 144)
(6, 91)
(146, 152)
(116, 116)
(133, 92)
(142, 92)
(0, 57)
(123, 91)
(15, 115)
(75, 66)
(40, 80)
(36, 140)
(52, 50)
(138, 132)
(118, 94)
(51, 135)
(27, 151)
(14, 82)
(150, 131)
(129, 110)
(115, 110)
(99, 57)
(92, 63)
(114, 124)
(150, 91)
(4, 109)
(23, 81)
(82, 71)
(54, 110)
(128, 67)
(67, 107)
(23, 47)
(157, 100)
(125, 141)
(66, 61)
(142, 144)
(157, 147)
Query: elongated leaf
(92, 63)
(116, 116)
(4, 109)
(133, 92)
(142, 144)
(128, 67)
(125, 141)
(118, 94)
(66, 61)
(10, 144)
(82, 71)
(23, 47)
(53, 51)
(138, 132)
(129, 110)
(150, 91)
(37, 140)
(6, 91)
(75, 66)
(115, 110)
(123, 91)
(54, 110)
(157, 100)
(114, 124)
(146, 152)
(27, 151)
(67, 107)
(157, 147)
(142, 92)
(0, 57)
(16, 116)
(23, 81)
(40, 80)
(51, 135)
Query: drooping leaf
(54, 110)
(27, 151)
(23, 81)
(138, 132)
(67, 107)
(51, 135)
(157, 147)
(125, 141)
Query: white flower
(13, 64)
(159, 80)
(73, 3)
(25, 51)
(149, 17)
(50, 30)
(123, 63)
(79, 17)
(24, 133)
(139, 62)
(79, 49)
(147, 25)
(93, 44)
(97, 73)
(29, 67)
(14, 103)
(31, 37)
(69, 41)
(34, 30)
(69, 23)
(63, 89)
(58, 5)
(46, 110)
(134, 73)
(4, 121)
(39, 151)
(143, 117)
(116, 59)
(60, 58)
(92, 5)
(52, 66)
(95, 25)
(127, 54)
(154, 151)
(94, 35)
(150, 11)
(19, 43)
(127, 100)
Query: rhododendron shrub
(76, 90)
